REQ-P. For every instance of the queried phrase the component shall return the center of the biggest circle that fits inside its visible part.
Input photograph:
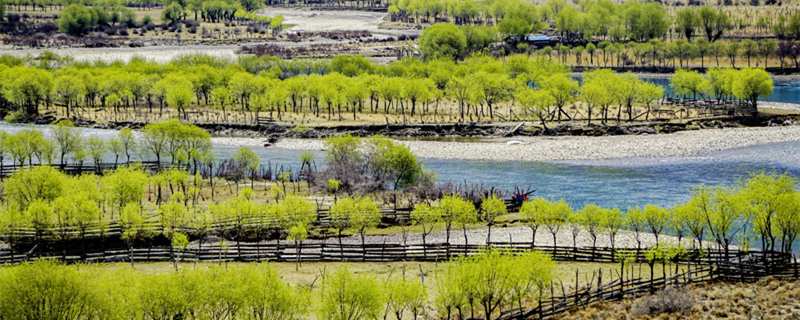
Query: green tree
(655, 218)
(75, 19)
(491, 209)
(689, 83)
(425, 216)
(750, 84)
(347, 296)
(442, 40)
(535, 214)
(714, 22)
(686, 21)
(172, 13)
(248, 159)
(125, 186)
(67, 138)
(722, 209)
(41, 183)
(563, 89)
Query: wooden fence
(332, 251)
(749, 266)
(740, 268)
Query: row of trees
(762, 208)
(182, 144)
(480, 87)
(723, 84)
(44, 290)
(444, 40)
(601, 20)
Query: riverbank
(563, 148)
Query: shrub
(15, 117)
(669, 300)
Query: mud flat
(323, 20)
(682, 143)
(161, 54)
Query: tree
(367, 215)
(453, 210)
(179, 95)
(535, 214)
(732, 51)
(341, 213)
(58, 291)
(686, 20)
(442, 40)
(491, 209)
(154, 141)
(556, 216)
(563, 89)
(655, 218)
(97, 150)
(750, 84)
(128, 143)
(635, 221)
(494, 279)
(427, 217)
(69, 89)
(591, 218)
(688, 219)
(714, 22)
(67, 139)
(248, 159)
(770, 196)
(41, 183)
(722, 209)
(689, 83)
(347, 296)
(403, 295)
(27, 87)
(172, 13)
(298, 234)
(125, 186)
(75, 19)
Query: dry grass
(765, 299)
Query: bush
(15, 117)
(669, 300)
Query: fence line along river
(619, 182)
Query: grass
(448, 113)
(766, 299)
(311, 271)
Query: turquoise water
(783, 91)
(621, 182)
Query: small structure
(538, 41)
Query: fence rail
(332, 251)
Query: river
(620, 182)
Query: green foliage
(443, 40)
(75, 19)
(172, 13)
(750, 84)
(376, 162)
(347, 296)
(56, 293)
(493, 280)
(125, 186)
(41, 183)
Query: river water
(783, 91)
(620, 182)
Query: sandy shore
(682, 143)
